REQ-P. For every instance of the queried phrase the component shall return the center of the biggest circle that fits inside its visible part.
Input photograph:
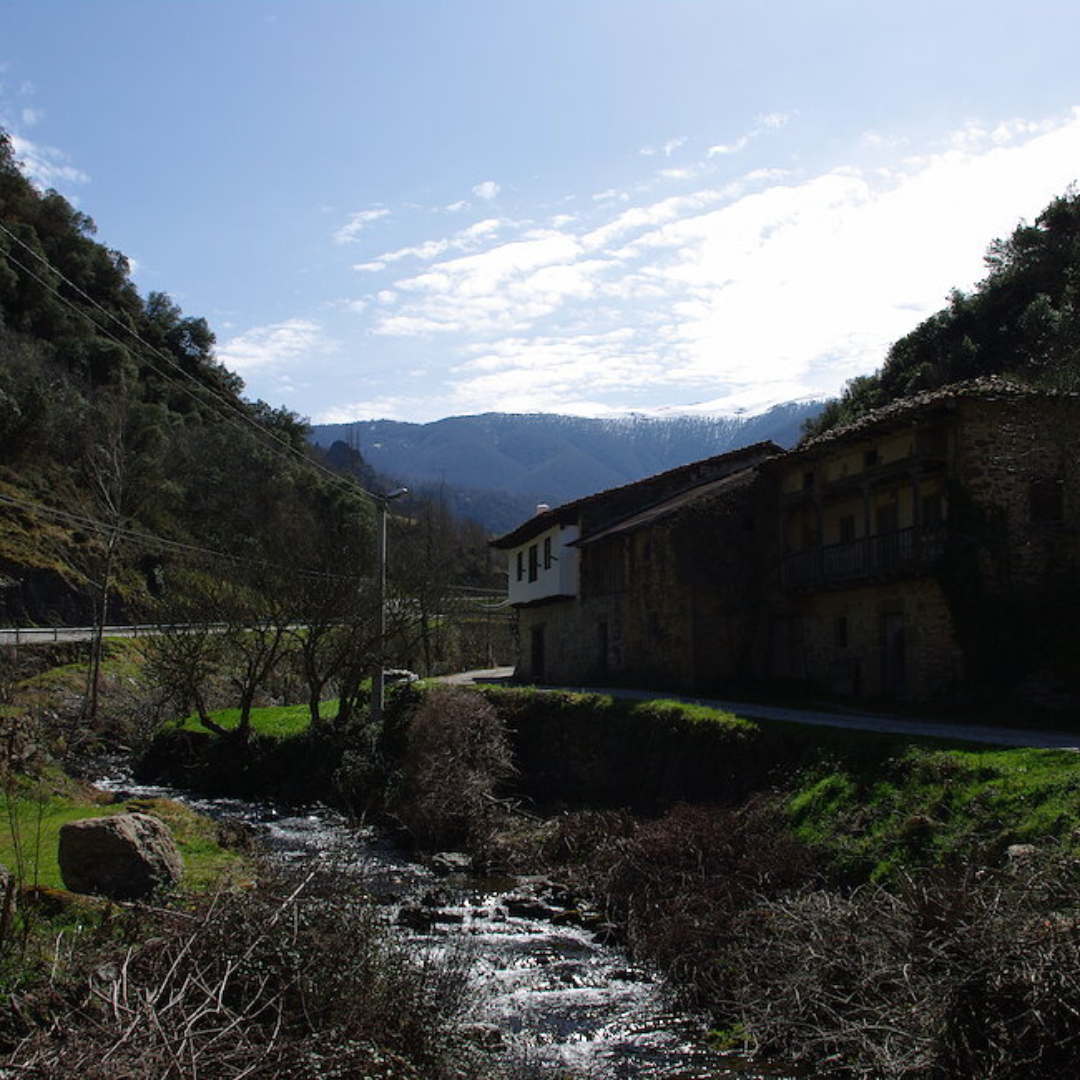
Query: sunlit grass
(927, 806)
(31, 820)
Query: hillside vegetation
(130, 461)
(1022, 321)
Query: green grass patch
(678, 715)
(271, 721)
(924, 806)
(31, 820)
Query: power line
(102, 528)
(224, 404)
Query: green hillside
(1022, 321)
(122, 438)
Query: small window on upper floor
(847, 528)
(534, 561)
(871, 458)
(840, 632)
(807, 480)
(547, 552)
(1046, 501)
(520, 565)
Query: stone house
(629, 585)
(930, 549)
(921, 547)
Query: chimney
(542, 508)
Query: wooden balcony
(905, 551)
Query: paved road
(939, 729)
(36, 635)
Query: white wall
(559, 579)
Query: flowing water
(550, 1000)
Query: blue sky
(415, 209)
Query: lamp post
(377, 677)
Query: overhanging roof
(568, 513)
(669, 507)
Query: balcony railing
(904, 550)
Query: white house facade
(545, 567)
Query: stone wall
(1011, 455)
(889, 639)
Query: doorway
(894, 654)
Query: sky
(414, 209)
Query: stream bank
(549, 996)
(885, 913)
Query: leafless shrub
(260, 984)
(677, 884)
(952, 974)
(456, 757)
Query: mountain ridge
(495, 467)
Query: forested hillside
(128, 455)
(496, 467)
(1022, 320)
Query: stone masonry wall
(1002, 449)
(846, 646)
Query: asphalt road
(36, 635)
(882, 722)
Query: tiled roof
(991, 387)
(671, 506)
(567, 513)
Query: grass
(31, 820)
(928, 806)
(272, 721)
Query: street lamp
(377, 675)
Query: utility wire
(224, 404)
(104, 529)
(226, 407)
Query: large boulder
(124, 857)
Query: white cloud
(684, 172)
(276, 346)
(775, 119)
(667, 149)
(454, 207)
(31, 117)
(378, 408)
(777, 285)
(45, 165)
(357, 223)
(486, 190)
(772, 121)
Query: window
(520, 565)
(870, 459)
(807, 480)
(547, 552)
(841, 632)
(847, 528)
(534, 561)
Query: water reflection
(552, 1000)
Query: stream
(550, 999)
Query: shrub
(456, 756)
(678, 883)
(274, 982)
(948, 973)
